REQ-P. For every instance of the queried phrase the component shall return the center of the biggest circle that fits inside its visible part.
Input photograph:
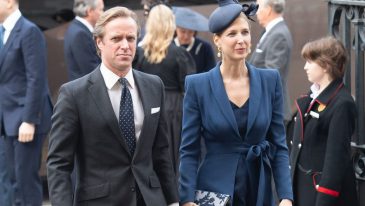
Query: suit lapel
(269, 35)
(255, 96)
(13, 35)
(220, 95)
(98, 91)
(145, 95)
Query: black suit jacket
(321, 143)
(80, 51)
(85, 125)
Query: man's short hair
(277, 5)
(109, 15)
(81, 7)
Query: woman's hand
(286, 202)
(190, 204)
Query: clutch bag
(207, 198)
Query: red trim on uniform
(310, 107)
(301, 121)
(333, 95)
(328, 191)
(323, 189)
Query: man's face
(118, 46)
(4, 9)
(262, 12)
(184, 35)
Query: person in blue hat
(238, 110)
(188, 24)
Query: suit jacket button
(299, 145)
(291, 142)
(133, 189)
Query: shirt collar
(189, 47)
(272, 23)
(111, 79)
(330, 91)
(315, 91)
(11, 20)
(86, 23)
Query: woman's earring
(219, 54)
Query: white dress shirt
(115, 94)
(9, 24)
(86, 23)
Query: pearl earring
(219, 54)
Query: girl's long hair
(160, 29)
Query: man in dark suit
(112, 120)
(25, 106)
(79, 47)
(275, 45)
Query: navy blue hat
(227, 12)
(189, 19)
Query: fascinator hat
(227, 12)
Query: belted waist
(261, 154)
(250, 151)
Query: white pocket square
(259, 51)
(155, 110)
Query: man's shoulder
(146, 76)
(26, 25)
(82, 82)
(76, 27)
(280, 29)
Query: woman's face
(235, 41)
(316, 74)
(185, 36)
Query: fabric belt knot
(260, 155)
(126, 117)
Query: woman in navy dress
(238, 110)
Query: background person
(275, 45)
(25, 106)
(237, 109)
(188, 23)
(322, 169)
(79, 47)
(158, 55)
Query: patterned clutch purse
(206, 198)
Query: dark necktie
(1, 36)
(126, 117)
(262, 33)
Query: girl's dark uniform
(320, 158)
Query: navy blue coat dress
(207, 114)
